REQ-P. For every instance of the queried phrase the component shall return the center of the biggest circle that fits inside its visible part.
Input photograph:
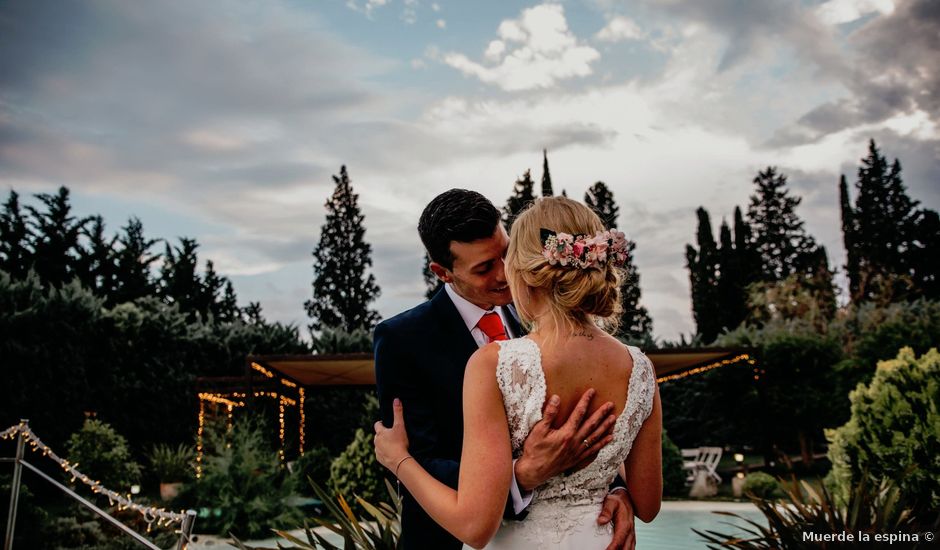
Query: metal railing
(25, 436)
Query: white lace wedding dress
(563, 513)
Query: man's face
(478, 274)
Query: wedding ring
(587, 443)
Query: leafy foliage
(103, 455)
(870, 509)
(355, 471)
(522, 196)
(243, 478)
(673, 473)
(172, 464)
(337, 340)
(760, 485)
(342, 287)
(894, 430)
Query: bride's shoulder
(484, 358)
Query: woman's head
(572, 296)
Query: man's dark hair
(456, 215)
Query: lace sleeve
(520, 379)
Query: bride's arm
(473, 512)
(643, 469)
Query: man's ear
(442, 272)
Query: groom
(420, 357)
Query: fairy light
(280, 421)
(303, 418)
(233, 400)
(288, 383)
(262, 370)
(202, 423)
(150, 514)
(698, 370)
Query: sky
(225, 120)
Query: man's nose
(500, 271)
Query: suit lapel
(451, 323)
(515, 325)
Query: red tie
(492, 326)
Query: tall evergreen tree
(431, 282)
(133, 260)
(179, 281)
(881, 241)
(925, 255)
(778, 233)
(702, 263)
(15, 236)
(849, 231)
(731, 291)
(600, 199)
(635, 322)
(56, 235)
(546, 176)
(522, 196)
(342, 287)
(96, 261)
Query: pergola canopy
(358, 369)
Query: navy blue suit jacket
(420, 357)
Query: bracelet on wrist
(400, 462)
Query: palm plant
(809, 509)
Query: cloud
(538, 51)
(367, 8)
(837, 12)
(441, 24)
(618, 29)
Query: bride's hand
(391, 444)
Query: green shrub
(356, 472)
(243, 483)
(894, 430)
(673, 473)
(102, 454)
(760, 485)
(172, 464)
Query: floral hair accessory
(582, 251)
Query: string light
(288, 383)
(262, 370)
(303, 419)
(698, 370)
(149, 513)
(280, 421)
(202, 422)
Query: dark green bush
(673, 473)
(102, 454)
(356, 472)
(312, 465)
(760, 485)
(171, 464)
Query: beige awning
(357, 369)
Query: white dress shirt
(471, 315)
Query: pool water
(672, 528)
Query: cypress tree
(779, 237)
(635, 322)
(56, 235)
(546, 176)
(133, 260)
(600, 199)
(702, 263)
(522, 196)
(342, 287)
(730, 291)
(15, 236)
(925, 255)
(849, 231)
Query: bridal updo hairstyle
(575, 297)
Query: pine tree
(546, 176)
(600, 199)
(342, 288)
(925, 254)
(96, 261)
(849, 230)
(730, 291)
(635, 322)
(56, 235)
(133, 260)
(15, 236)
(702, 264)
(882, 240)
(431, 282)
(522, 196)
(179, 282)
(778, 233)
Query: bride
(564, 272)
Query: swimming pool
(672, 528)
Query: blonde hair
(575, 297)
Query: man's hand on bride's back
(548, 452)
